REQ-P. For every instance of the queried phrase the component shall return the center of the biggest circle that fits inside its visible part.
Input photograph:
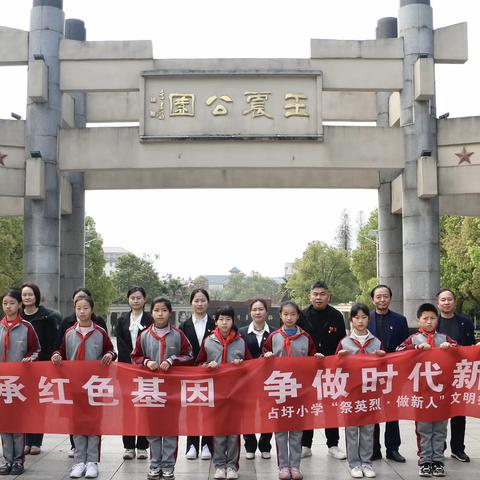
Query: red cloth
(287, 341)
(430, 336)
(225, 341)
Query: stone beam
(12, 182)
(379, 49)
(12, 133)
(110, 50)
(105, 107)
(124, 75)
(459, 179)
(13, 47)
(450, 44)
(11, 206)
(458, 131)
(466, 204)
(231, 178)
(112, 148)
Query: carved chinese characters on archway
(205, 106)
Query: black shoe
(461, 456)
(425, 470)
(438, 470)
(395, 456)
(5, 469)
(376, 456)
(17, 468)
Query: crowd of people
(30, 332)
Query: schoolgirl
(160, 347)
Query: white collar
(204, 319)
(251, 329)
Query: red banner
(264, 395)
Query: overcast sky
(209, 231)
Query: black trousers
(457, 434)
(131, 443)
(331, 433)
(195, 441)
(263, 442)
(34, 439)
(392, 437)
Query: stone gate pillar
(41, 257)
(72, 233)
(390, 248)
(420, 216)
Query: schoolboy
(431, 435)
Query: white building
(112, 254)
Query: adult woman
(44, 322)
(255, 334)
(129, 327)
(196, 328)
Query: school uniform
(162, 344)
(91, 344)
(359, 439)
(226, 449)
(255, 342)
(18, 341)
(289, 444)
(430, 435)
(196, 331)
(128, 330)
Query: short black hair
(87, 299)
(163, 300)
(225, 310)
(199, 290)
(14, 293)
(255, 300)
(359, 307)
(291, 303)
(136, 288)
(319, 284)
(86, 291)
(442, 290)
(381, 285)
(35, 289)
(426, 307)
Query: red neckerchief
(9, 326)
(225, 341)
(83, 338)
(430, 335)
(287, 341)
(360, 346)
(162, 340)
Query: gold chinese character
(220, 109)
(297, 109)
(182, 105)
(257, 101)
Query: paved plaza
(53, 464)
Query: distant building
(288, 269)
(217, 282)
(112, 254)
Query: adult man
(461, 329)
(392, 329)
(326, 326)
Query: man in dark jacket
(392, 329)
(461, 329)
(326, 326)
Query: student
(160, 347)
(85, 341)
(45, 322)
(255, 334)
(224, 345)
(289, 341)
(196, 328)
(18, 343)
(360, 439)
(431, 436)
(129, 328)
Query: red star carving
(3, 156)
(464, 156)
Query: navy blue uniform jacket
(397, 329)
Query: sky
(208, 231)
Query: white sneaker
(128, 454)
(220, 473)
(154, 473)
(78, 470)
(232, 473)
(368, 471)
(92, 470)
(205, 455)
(168, 474)
(266, 455)
(192, 453)
(250, 455)
(306, 452)
(335, 452)
(356, 472)
(142, 454)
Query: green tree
(175, 289)
(329, 264)
(343, 237)
(240, 287)
(133, 270)
(11, 252)
(199, 282)
(364, 258)
(95, 278)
